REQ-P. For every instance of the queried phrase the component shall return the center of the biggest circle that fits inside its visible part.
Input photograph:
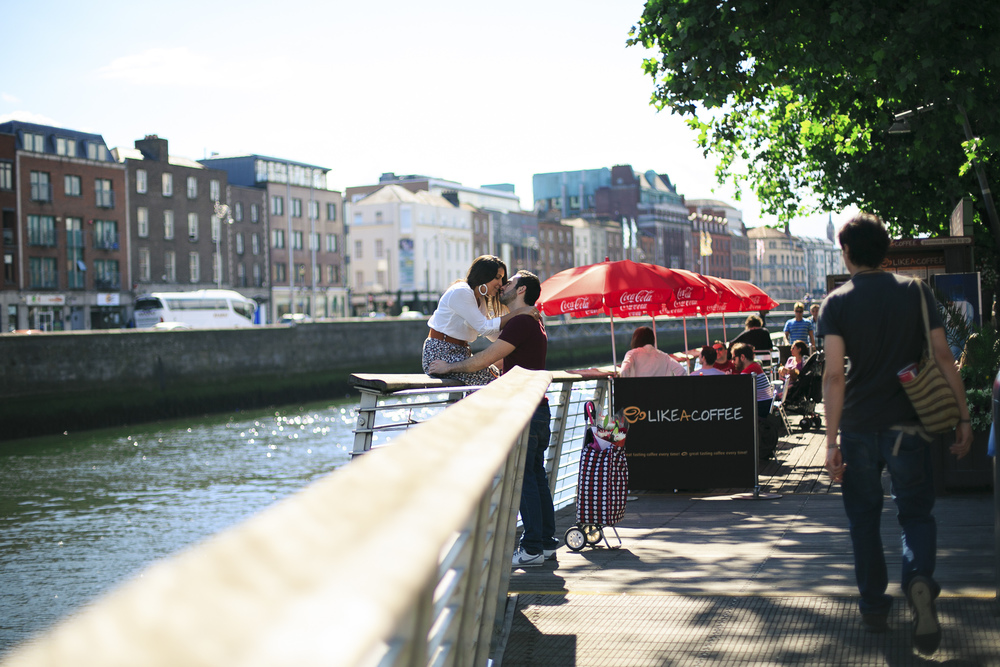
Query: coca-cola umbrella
(753, 297)
(623, 288)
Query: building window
(34, 142)
(359, 279)
(145, 271)
(279, 273)
(331, 243)
(300, 273)
(358, 250)
(71, 185)
(65, 147)
(192, 187)
(106, 275)
(277, 205)
(41, 187)
(297, 240)
(215, 224)
(142, 222)
(314, 241)
(42, 230)
(42, 272)
(296, 208)
(254, 213)
(241, 275)
(255, 243)
(256, 276)
(277, 238)
(105, 195)
(75, 268)
(214, 191)
(194, 267)
(378, 217)
(317, 276)
(106, 234)
(331, 211)
(313, 210)
(141, 181)
(238, 211)
(168, 225)
(216, 269)
(334, 273)
(379, 249)
(239, 243)
(169, 267)
(96, 151)
(192, 227)
(168, 185)
(6, 175)
(359, 219)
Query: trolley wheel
(575, 539)
(594, 534)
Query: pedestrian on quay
(468, 309)
(523, 343)
(743, 357)
(799, 328)
(814, 318)
(755, 335)
(875, 320)
(644, 359)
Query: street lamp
(222, 212)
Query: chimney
(153, 148)
(451, 196)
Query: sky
(478, 93)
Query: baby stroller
(602, 485)
(803, 394)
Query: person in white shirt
(468, 309)
(644, 360)
(707, 360)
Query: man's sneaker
(550, 554)
(926, 629)
(875, 622)
(523, 559)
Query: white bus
(201, 309)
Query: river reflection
(80, 513)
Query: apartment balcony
(45, 238)
(112, 282)
(41, 192)
(106, 241)
(105, 199)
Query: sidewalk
(706, 580)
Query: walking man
(875, 320)
(523, 343)
(799, 328)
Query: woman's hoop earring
(483, 291)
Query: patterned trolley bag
(602, 486)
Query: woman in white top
(644, 360)
(468, 309)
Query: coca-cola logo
(581, 303)
(642, 296)
(685, 293)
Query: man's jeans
(865, 455)
(537, 513)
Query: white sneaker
(523, 559)
(550, 554)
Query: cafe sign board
(45, 299)
(689, 432)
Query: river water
(81, 513)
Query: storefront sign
(108, 299)
(689, 432)
(45, 299)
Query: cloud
(28, 117)
(10, 99)
(181, 67)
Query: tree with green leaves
(797, 100)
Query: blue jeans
(538, 515)
(865, 455)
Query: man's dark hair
(532, 286)
(744, 350)
(642, 337)
(754, 322)
(866, 240)
(710, 354)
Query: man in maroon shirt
(523, 343)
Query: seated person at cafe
(755, 335)
(644, 360)
(707, 361)
(790, 371)
(743, 358)
(722, 360)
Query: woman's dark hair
(484, 269)
(865, 239)
(642, 337)
(801, 344)
(754, 322)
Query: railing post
(559, 436)
(366, 422)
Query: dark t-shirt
(878, 315)
(527, 335)
(759, 338)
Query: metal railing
(400, 558)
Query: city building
(515, 239)
(65, 241)
(305, 231)
(406, 248)
(779, 264)
(493, 197)
(555, 248)
(730, 247)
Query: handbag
(929, 391)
